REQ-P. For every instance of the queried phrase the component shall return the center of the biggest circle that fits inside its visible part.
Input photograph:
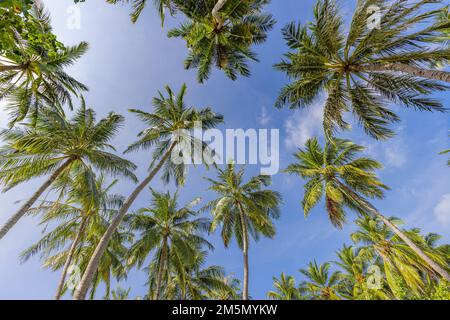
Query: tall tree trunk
(161, 268)
(245, 251)
(80, 292)
(215, 13)
(69, 258)
(4, 68)
(411, 70)
(372, 210)
(24, 209)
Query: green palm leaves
(32, 77)
(226, 43)
(285, 289)
(175, 234)
(55, 146)
(331, 172)
(243, 209)
(321, 284)
(364, 70)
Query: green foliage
(348, 65)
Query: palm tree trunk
(73, 247)
(245, 251)
(215, 13)
(408, 69)
(24, 209)
(372, 210)
(161, 268)
(4, 68)
(80, 292)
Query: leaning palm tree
(222, 33)
(367, 68)
(335, 172)
(80, 219)
(32, 78)
(320, 284)
(169, 131)
(400, 263)
(243, 209)
(174, 233)
(285, 289)
(55, 146)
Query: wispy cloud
(442, 210)
(304, 125)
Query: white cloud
(442, 210)
(304, 125)
(264, 118)
(395, 156)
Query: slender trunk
(245, 251)
(161, 268)
(24, 209)
(411, 70)
(80, 292)
(69, 258)
(4, 68)
(372, 210)
(215, 13)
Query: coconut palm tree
(81, 218)
(194, 281)
(33, 77)
(285, 289)
(174, 233)
(355, 278)
(139, 6)
(230, 290)
(401, 266)
(169, 131)
(222, 33)
(335, 172)
(320, 284)
(365, 69)
(243, 209)
(56, 145)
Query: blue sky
(125, 67)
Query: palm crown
(321, 284)
(225, 43)
(175, 233)
(170, 127)
(30, 152)
(336, 173)
(365, 69)
(32, 78)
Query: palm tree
(193, 281)
(243, 209)
(173, 233)
(80, 221)
(222, 33)
(32, 77)
(400, 262)
(354, 277)
(321, 285)
(120, 293)
(56, 145)
(229, 290)
(346, 182)
(365, 69)
(285, 289)
(168, 131)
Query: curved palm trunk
(80, 292)
(161, 268)
(215, 13)
(411, 70)
(245, 251)
(372, 210)
(73, 247)
(24, 209)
